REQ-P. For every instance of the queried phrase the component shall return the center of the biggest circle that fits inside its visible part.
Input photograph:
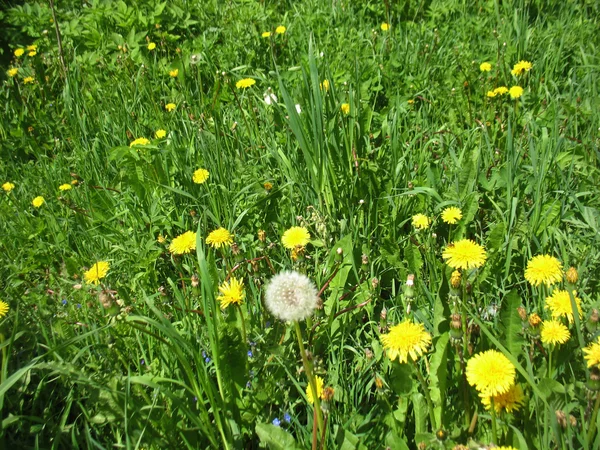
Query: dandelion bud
(410, 280)
(291, 296)
(594, 382)
(262, 235)
(378, 382)
(328, 394)
(374, 283)
(572, 420)
(368, 354)
(195, 280)
(522, 313)
(441, 434)
(456, 323)
(383, 314)
(561, 418)
(534, 320)
(422, 446)
(572, 275)
(235, 249)
(455, 279)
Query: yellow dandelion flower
(160, 134)
(501, 90)
(543, 269)
(245, 83)
(231, 291)
(161, 239)
(184, 243)
(280, 29)
(592, 353)
(345, 108)
(520, 67)
(451, 215)
(200, 176)
(554, 332)
(151, 46)
(490, 372)
(12, 72)
(31, 48)
(173, 73)
(97, 272)
(309, 393)
(170, 106)
(219, 238)
(28, 80)
(19, 52)
(559, 304)
(139, 141)
(421, 221)
(510, 401)
(406, 339)
(74, 182)
(515, 92)
(32, 53)
(491, 94)
(464, 254)
(325, 85)
(38, 201)
(8, 186)
(266, 34)
(65, 187)
(385, 26)
(485, 67)
(3, 308)
(268, 185)
(295, 237)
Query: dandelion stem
(239, 308)
(427, 395)
(592, 428)
(309, 375)
(494, 426)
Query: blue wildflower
(276, 422)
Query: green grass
(147, 359)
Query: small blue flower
(142, 361)
(79, 305)
(207, 360)
(276, 422)
(287, 418)
(248, 385)
(250, 355)
(64, 301)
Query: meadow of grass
(366, 121)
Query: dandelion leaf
(275, 438)
(510, 324)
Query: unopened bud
(572, 275)
(364, 259)
(378, 382)
(262, 235)
(522, 313)
(383, 314)
(455, 279)
(374, 283)
(235, 249)
(328, 393)
(368, 353)
(534, 320)
(195, 280)
(561, 418)
(410, 280)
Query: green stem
(244, 338)
(309, 375)
(550, 351)
(592, 428)
(494, 426)
(427, 396)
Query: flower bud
(455, 279)
(572, 275)
(522, 313)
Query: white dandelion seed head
(270, 98)
(291, 296)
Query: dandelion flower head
(345, 108)
(309, 393)
(3, 308)
(554, 332)
(65, 187)
(139, 141)
(31, 48)
(38, 201)
(173, 73)
(521, 67)
(291, 296)
(280, 29)
(501, 90)
(160, 134)
(200, 176)
(543, 269)
(421, 221)
(385, 26)
(13, 71)
(325, 85)
(491, 94)
(464, 254)
(515, 92)
(19, 52)
(184, 243)
(451, 215)
(295, 237)
(592, 353)
(170, 106)
(96, 272)
(266, 34)
(510, 401)
(219, 238)
(245, 83)
(151, 46)
(559, 304)
(406, 338)
(232, 292)
(490, 372)
(485, 67)
(8, 186)
(28, 80)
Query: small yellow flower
(8, 186)
(3, 308)
(173, 73)
(451, 215)
(280, 29)
(515, 92)
(510, 401)
(161, 239)
(74, 182)
(385, 26)
(543, 269)
(464, 254)
(592, 354)
(38, 201)
(12, 72)
(485, 67)
(421, 221)
(455, 279)
(411, 101)
(295, 237)
(559, 304)
(184, 243)
(28, 80)
(32, 48)
(32, 53)
(520, 67)
(232, 292)
(266, 34)
(200, 176)
(309, 393)
(345, 108)
(325, 85)
(139, 141)
(245, 83)
(151, 46)
(501, 90)
(19, 52)
(160, 134)
(170, 106)
(491, 94)
(97, 272)
(490, 372)
(65, 187)
(219, 238)
(407, 339)
(554, 332)
(268, 185)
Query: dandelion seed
(291, 296)
(270, 98)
